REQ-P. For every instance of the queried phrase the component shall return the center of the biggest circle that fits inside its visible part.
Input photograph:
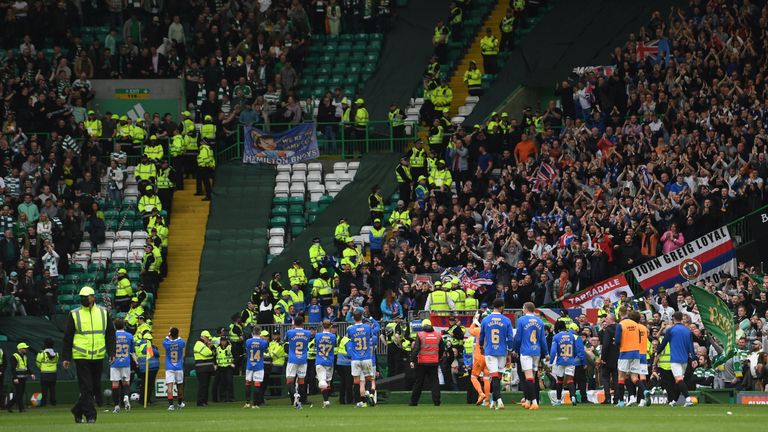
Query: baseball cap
(426, 322)
(205, 333)
(21, 345)
(87, 291)
(264, 333)
(147, 336)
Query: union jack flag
(647, 49)
(544, 175)
(474, 284)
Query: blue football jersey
(123, 349)
(255, 350)
(298, 343)
(566, 349)
(496, 335)
(530, 339)
(359, 345)
(174, 353)
(325, 344)
(314, 314)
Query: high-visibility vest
(417, 158)
(208, 131)
(361, 117)
(93, 127)
(378, 236)
(277, 352)
(190, 143)
(316, 254)
(46, 363)
(296, 276)
(311, 350)
(163, 178)
(203, 355)
(471, 303)
(154, 152)
(350, 256)
(177, 146)
(138, 134)
(345, 115)
(124, 130)
(429, 352)
(89, 342)
(124, 288)
(162, 232)
(341, 232)
(458, 297)
(145, 171)
(379, 207)
(518, 4)
(473, 78)
(508, 24)
(233, 336)
(147, 203)
(321, 288)
(406, 171)
(489, 45)
(439, 301)
(441, 178)
(188, 126)
(665, 359)
(21, 365)
(132, 317)
(205, 157)
(400, 217)
(437, 137)
(396, 117)
(224, 356)
(469, 344)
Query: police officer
(321, 288)
(48, 362)
(316, 256)
(376, 238)
(165, 187)
(361, 119)
(93, 125)
(154, 150)
(176, 151)
(237, 341)
(206, 165)
(376, 203)
(425, 358)
(124, 291)
(418, 162)
(397, 123)
(343, 365)
(507, 27)
(473, 78)
(145, 173)
(204, 353)
(208, 129)
(223, 387)
(404, 179)
(340, 235)
(89, 337)
(296, 275)
(400, 216)
(436, 135)
(489, 48)
(20, 372)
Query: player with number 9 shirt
(174, 367)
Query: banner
(758, 224)
(718, 320)
(592, 297)
(298, 144)
(703, 259)
(752, 398)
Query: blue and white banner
(703, 259)
(298, 144)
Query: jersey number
(361, 344)
(174, 356)
(533, 338)
(299, 349)
(566, 350)
(324, 350)
(255, 356)
(122, 350)
(495, 336)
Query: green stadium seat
(357, 57)
(95, 267)
(353, 69)
(276, 201)
(326, 58)
(326, 199)
(111, 214)
(297, 220)
(347, 37)
(360, 47)
(361, 37)
(374, 46)
(134, 276)
(278, 222)
(68, 289)
(376, 36)
(280, 211)
(296, 230)
(344, 48)
(351, 81)
(335, 82)
(373, 58)
(295, 200)
(73, 278)
(332, 38)
(324, 69)
(76, 268)
(331, 49)
(318, 92)
(296, 210)
(133, 267)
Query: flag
(706, 258)
(718, 320)
(543, 176)
(647, 49)
(150, 353)
(592, 297)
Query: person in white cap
(89, 338)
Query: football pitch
(279, 417)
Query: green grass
(231, 417)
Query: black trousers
(140, 387)
(178, 171)
(223, 388)
(19, 386)
(609, 377)
(88, 376)
(580, 378)
(204, 181)
(48, 388)
(404, 190)
(489, 64)
(166, 199)
(423, 373)
(345, 385)
(203, 383)
(310, 381)
(668, 384)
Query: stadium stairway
(186, 241)
(460, 92)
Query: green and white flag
(718, 320)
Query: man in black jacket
(609, 358)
